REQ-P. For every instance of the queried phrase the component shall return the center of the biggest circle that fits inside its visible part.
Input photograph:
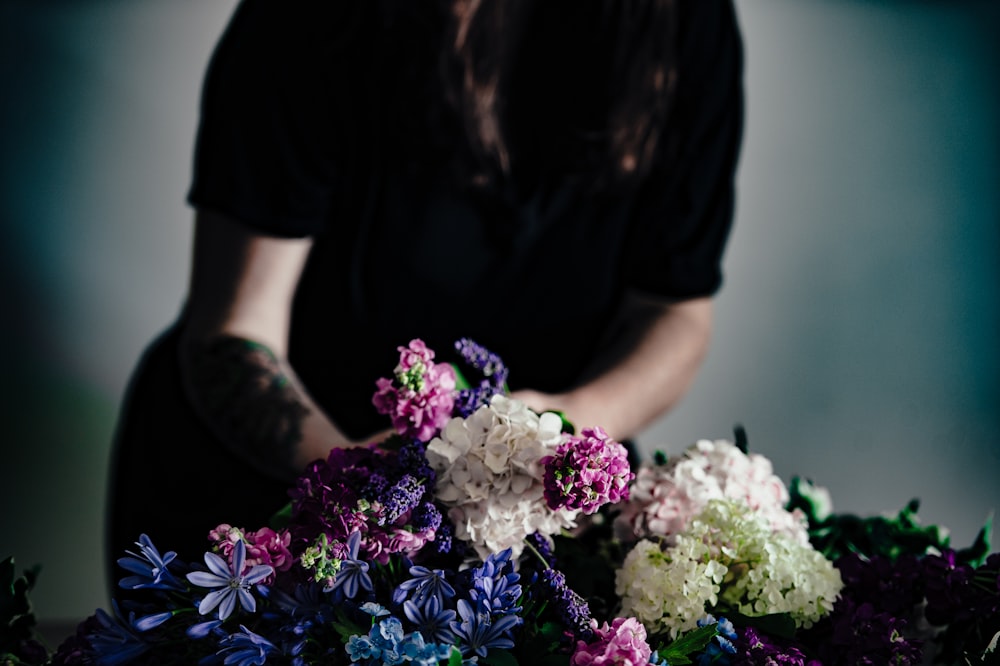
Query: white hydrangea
(664, 498)
(488, 474)
(727, 558)
(668, 591)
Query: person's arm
(233, 351)
(652, 361)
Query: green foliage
(678, 652)
(17, 620)
(837, 535)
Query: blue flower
(478, 631)
(117, 641)
(718, 651)
(431, 619)
(495, 584)
(150, 569)
(353, 573)
(419, 652)
(245, 648)
(229, 583)
(424, 584)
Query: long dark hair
(571, 87)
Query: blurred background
(857, 333)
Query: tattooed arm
(234, 344)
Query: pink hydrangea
(420, 397)
(666, 497)
(264, 546)
(622, 643)
(587, 472)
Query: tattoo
(239, 386)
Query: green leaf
(975, 554)
(281, 518)
(740, 438)
(461, 383)
(678, 652)
(16, 617)
(456, 657)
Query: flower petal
(211, 600)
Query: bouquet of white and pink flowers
(483, 532)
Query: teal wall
(856, 335)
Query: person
(554, 180)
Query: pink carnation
(623, 643)
(420, 397)
(587, 472)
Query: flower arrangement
(482, 532)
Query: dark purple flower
(755, 647)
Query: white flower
(488, 474)
(727, 558)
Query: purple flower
(400, 499)
(571, 609)
(494, 374)
(228, 584)
(755, 647)
(587, 472)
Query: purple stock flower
(228, 584)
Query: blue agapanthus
(229, 584)
(245, 648)
(495, 584)
(117, 641)
(478, 630)
(432, 619)
(149, 569)
(423, 584)
(353, 574)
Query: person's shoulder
(708, 29)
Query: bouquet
(483, 532)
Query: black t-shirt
(310, 127)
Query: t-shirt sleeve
(265, 153)
(684, 210)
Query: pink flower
(265, 546)
(587, 472)
(623, 643)
(420, 397)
